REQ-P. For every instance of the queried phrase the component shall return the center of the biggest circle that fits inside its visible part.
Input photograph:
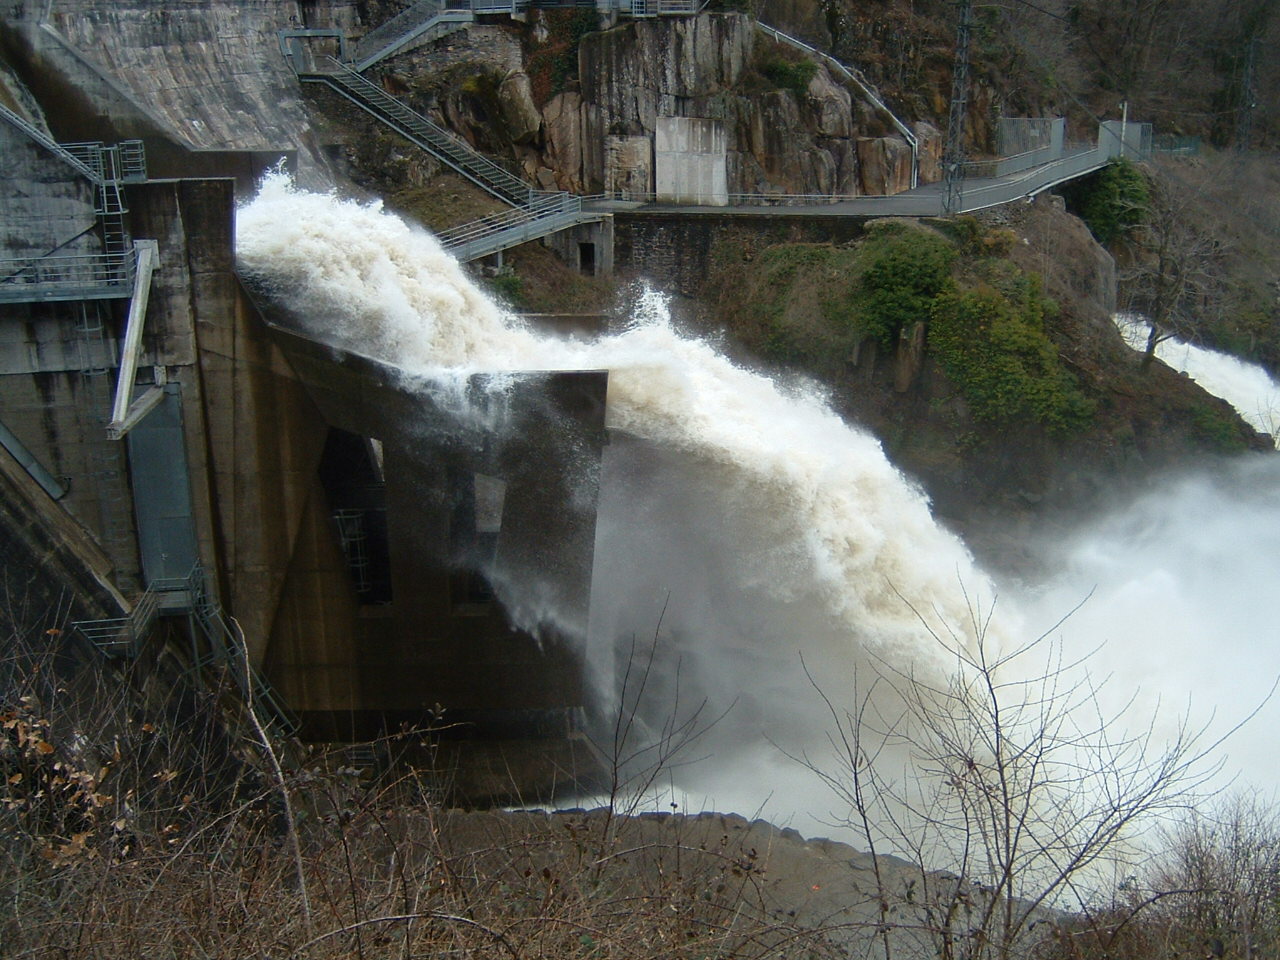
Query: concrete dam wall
(347, 522)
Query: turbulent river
(766, 545)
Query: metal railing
(1038, 179)
(90, 276)
(864, 86)
(225, 650)
(49, 144)
(123, 636)
(189, 595)
(427, 19)
(1008, 166)
(441, 143)
(432, 19)
(488, 235)
(659, 8)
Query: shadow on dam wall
(397, 556)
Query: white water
(765, 527)
(1246, 386)
(752, 515)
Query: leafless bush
(1017, 788)
(115, 849)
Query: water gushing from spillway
(741, 512)
(1246, 386)
(742, 521)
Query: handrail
(473, 241)
(546, 207)
(67, 277)
(407, 26)
(120, 636)
(49, 144)
(864, 86)
(123, 636)
(446, 145)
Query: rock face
(598, 133)
(777, 141)
(515, 97)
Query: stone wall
(673, 251)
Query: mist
(752, 548)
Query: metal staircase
(545, 215)
(536, 214)
(224, 650)
(411, 125)
(106, 275)
(122, 637)
(425, 20)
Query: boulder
(931, 143)
(885, 164)
(562, 121)
(515, 98)
(831, 105)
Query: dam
(199, 455)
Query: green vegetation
(1114, 203)
(551, 63)
(507, 286)
(905, 270)
(992, 344)
(815, 305)
(1218, 429)
(793, 75)
(799, 299)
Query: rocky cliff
(792, 127)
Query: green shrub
(793, 75)
(904, 269)
(994, 348)
(1113, 203)
(1218, 429)
(507, 286)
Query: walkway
(59, 276)
(432, 19)
(926, 201)
(537, 214)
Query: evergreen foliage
(1114, 203)
(793, 75)
(991, 342)
(812, 305)
(904, 270)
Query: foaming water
(1246, 386)
(741, 522)
(759, 539)
(1183, 604)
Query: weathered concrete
(256, 436)
(673, 249)
(51, 569)
(689, 161)
(442, 639)
(203, 75)
(42, 207)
